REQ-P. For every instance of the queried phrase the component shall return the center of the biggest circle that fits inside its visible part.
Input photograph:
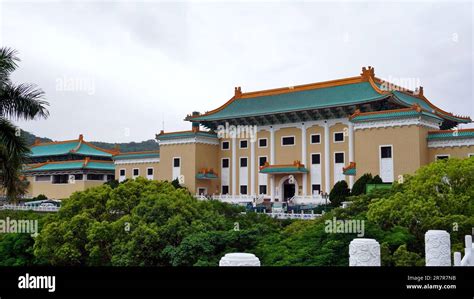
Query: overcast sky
(116, 70)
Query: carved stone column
(239, 259)
(437, 248)
(364, 252)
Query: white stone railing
(28, 208)
(235, 199)
(292, 215)
(309, 199)
(468, 259)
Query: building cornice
(189, 140)
(451, 142)
(398, 122)
(137, 161)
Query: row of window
(136, 172)
(315, 159)
(262, 189)
(285, 141)
(68, 178)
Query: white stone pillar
(239, 260)
(234, 165)
(252, 165)
(272, 162)
(437, 248)
(364, 252)
(303, 157)
(327, 155)
(351, 150)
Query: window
(315, 159)
(244, 144)
(262, 142)
(470, 155)
(122, 172)
(338, 137)
(95, 177)
(136, 172)
(315, 138)
(78, 177)
(262, 189)
(339, 158)
(42, 178)
(243, 189)
(243, 162)
(442, 157)
(262, 161)
(225, 189)
(288, 140)
(202, 191)
(176, 162)
(315, 189)
(225, 145)
(61, 179)
(149, 171)
(385, 152)
(225, 163)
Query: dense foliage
(145, 223)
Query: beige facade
(58, 191)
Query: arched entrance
(287, 189)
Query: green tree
(339, 193)
(359, 186)
(19, 102)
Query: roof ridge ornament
(367, 73)
(419, 91)
(237, 92)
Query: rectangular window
(338, 137)
(225, 163)
(136, 172)
(315, 189)
(202, 191)
(243, 162)
(61, 179)
(225, 145)
(315, 138)
(288, 140)
(243, 189)
(262, 142)
(262, 189)
(339, 157)
(78, 177)
(225, 189)
(315, 159)
(95, 177)
(243, 144)
(42, 178)
(122, 172)
(385, 152)
(176, 162)
(442, 157)
(262, 161)
(149, 171)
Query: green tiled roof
(137, 156)
(72, 165)
(284, 169)
(348, 94)
(350, 171)
(63, 148)
(207, 176)
(394, 114)
(186, 135)
(450, 135)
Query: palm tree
(18, 102)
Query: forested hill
(148, 145)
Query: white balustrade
(309, 199)
(468, 259)
(29, 208)
(239, 259)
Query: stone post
(239, 259)
(437, 248)
(364, 252)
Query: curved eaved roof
(75, 146)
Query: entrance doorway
(288, 190)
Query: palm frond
(23, 101)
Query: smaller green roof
(276, 169)
(403, 113)
(73, 165)
(136, 155)
(451, 134)
(350, 171)
(206, 176)
(186, 134)
(77, 147)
